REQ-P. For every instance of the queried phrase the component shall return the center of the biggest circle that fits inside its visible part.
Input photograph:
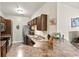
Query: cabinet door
(3, 50)
(35, 21)
(44, 22)
(0, 51)
(39, 23)
(8, 27)
(32, 22)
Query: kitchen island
(61, 49)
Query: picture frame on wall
(75, 22)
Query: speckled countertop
(61, 49)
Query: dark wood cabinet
(38, 23)
(35, 21)
(8, 33)
(42, 22)
(5, 36)
(3, 48)
(0, 51)
(7, 27)
(30, 23)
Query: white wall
(17, 20)
(64, 15)
(1, 14)
(51, 10)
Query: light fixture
(19, 10)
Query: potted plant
(57, 36)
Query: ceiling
(29, 7)
(73, 4)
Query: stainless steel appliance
(25, 32)
(26, 39)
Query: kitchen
(17, 26)
(32, 34)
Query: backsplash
(42, 33)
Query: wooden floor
(61, 49)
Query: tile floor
(61, 49)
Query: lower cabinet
(5, 45)
(0, 52)
(3, 50)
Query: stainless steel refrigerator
(25, 32)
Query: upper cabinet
(35, 21)
(42, 22)
(39, 23)
(7, 25)
(29, 23)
